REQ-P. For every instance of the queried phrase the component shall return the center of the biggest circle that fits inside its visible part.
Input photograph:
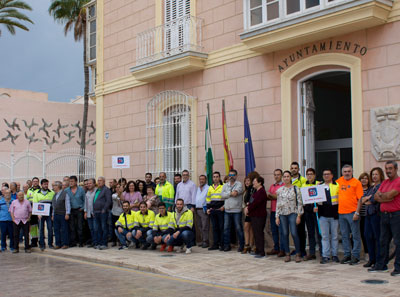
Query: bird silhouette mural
(31, 138)
(78, 126)
(59, 127)
(32, 124)
(11, 137)
(44, 128)
(50, 143)
(93, 129)
(14, 124)
(69, 136)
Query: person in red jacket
(258, 212)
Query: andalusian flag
(227, 149)
(209, 153)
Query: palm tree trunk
(85, 108)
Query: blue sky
(43, 59)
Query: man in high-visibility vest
(143, 225)
(34, 230)
(124, 225)
(184, 223)
(215, 209)
(311, 218)
(329, 219)
(44, 195)
(163, 228)
(165, 191)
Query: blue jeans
(347, 226)
(276, 233)
(142, 239)
(90, 222)
(61, 230)
(122, 236)
(150, 237)
(390, 228)
(329, 232)
(217, 222)
(372, 234)
(237, 220)
(7, 229)
(49, 223)
(286, 222)
(186, 237)
(101, 228)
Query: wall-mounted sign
(322, 47)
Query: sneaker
(310, 257)
(281, 254)
(181, 249)
(103, 247)
(163, 246)
(42, 248)
(188, 250)
(28, 251)
(345, 260)
(122, 247)
(51, 247)
(170, 249)
(395, 273)
(298, 258)
(145, 246)
(287, 258)
(153, 247)
(213, 248)
(369, 264)
(96, 247)
(227, 249)
(335, 259)
(354, 261)
(272, 252)
(259, 256)
(378, 269)
(89, 246)
(204, 245)
(15, 251)
(324, 260)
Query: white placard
(313, 194)
(41, 209)
(120, 162)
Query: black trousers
(258, 225)
(76, 226)
(301, 231)
(17, 229)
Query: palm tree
(72, 14)
(10, 16)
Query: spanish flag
(227, 149)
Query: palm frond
(11, 16)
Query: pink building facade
(321, 81)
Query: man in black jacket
(101, 207)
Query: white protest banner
(313, 194)
(41, 209)
(120, 162)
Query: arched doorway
(325, 121)
(305, 70)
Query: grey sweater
(232, 204)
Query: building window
(91, 32)
(177, 27)
(170, 133)
(261, 12)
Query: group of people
(147, 213)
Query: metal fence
(53, 166)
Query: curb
(258, 287)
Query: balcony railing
(172, 38)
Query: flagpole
(209, 120)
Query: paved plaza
(229, 269)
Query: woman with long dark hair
(132, 195)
